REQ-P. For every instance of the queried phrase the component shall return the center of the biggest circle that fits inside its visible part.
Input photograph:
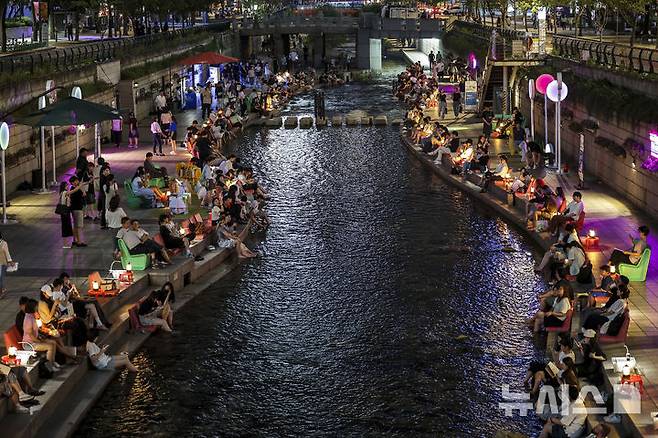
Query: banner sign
(470, 96)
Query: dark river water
(383, 304)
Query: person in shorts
(76, 196)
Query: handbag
(62, 209)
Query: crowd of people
(565, 265)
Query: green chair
(636, 272)
(139, 262)
(132, 200)
(157, 182)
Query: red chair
(580, 222)
(135, 325)
(566, 325)
(623, 332)
(13, 337)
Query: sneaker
(66, 247)
(172, 153)
(56, 365)
(612, 418)
(198, 259)
(37, 393)
(81, 244)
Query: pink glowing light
(542, 82)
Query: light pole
(557, 91)
(77, 93)
(4, 142)
(531, 95)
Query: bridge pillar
(368, 52)
(318, 50)
(245, 47)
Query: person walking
(457, 102)
(5, 260)
(117, 129)
(156, 131)
(206, 102)
(133, 131)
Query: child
(216, 212)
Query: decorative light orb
(592, 233)
(542, 82)
(531, 88)
(551, 91)
(4, 136)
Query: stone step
(274, 122)
(381, 120)
(306, 122)
(337, 121)
(290, 122)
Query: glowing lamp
(591, 233)
(613, 269)
(129, 266)
(39, 323)
(551, 91)
(182, 230)
(542, 82)
(11, 351)
(168, 193)
(4, 136)
(95, 285)
(566, 262)
(626, 371)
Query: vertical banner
(581, 161)
(470, 96)
(541, 25)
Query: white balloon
(551, 91)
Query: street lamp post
(42, 105)
(557, 91)
(77, 93)
(4, 142)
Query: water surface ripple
(346, 325)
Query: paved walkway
(613, 219)
(35, 241)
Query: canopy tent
(70, 111)
(211, 58)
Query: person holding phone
(76, 196)
(102, 361)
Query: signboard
(653, 138)
(470, 96)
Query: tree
(630, 10)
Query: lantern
(11, 351)
(129, 266)
(39, 323)
(613, 269)
(591, 233)
(95, 286)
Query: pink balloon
(542, 82)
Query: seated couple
(138, 241)
(140, 185)
(173, 236)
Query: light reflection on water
(346, 325)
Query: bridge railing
(79, 55)
(639, 59)
(294, 21)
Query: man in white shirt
(117, 129)
(156, 130)
(160, 102)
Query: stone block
(396, 122)
(321, 121)
(380, 120)
(274, 122)
(366, 121)
(337, 121)
(290, 122)
(352, 120)
(306, 122)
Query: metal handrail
(50, 59)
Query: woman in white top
(599, 319)
(114, 214)
(575, 258)
(111, 189)
(558, 311)
(5, 260)
(102, 361)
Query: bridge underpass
(368, 30)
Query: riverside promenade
(613, 219)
